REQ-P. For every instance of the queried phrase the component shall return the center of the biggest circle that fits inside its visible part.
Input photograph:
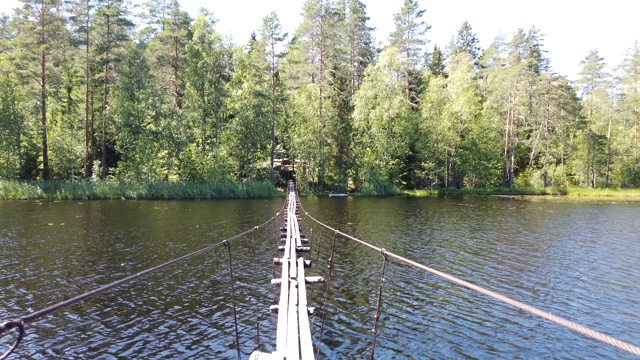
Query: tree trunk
(87, 108)
(105, 106)
(203, 137)
(547, 125)
(594, 161)
(635, 148)
(507, 142)
(16, 118)
(564, 181)
(46, 172)
(352, 61)
(253, 161)
(408, 57)
(177, 94)
(321, 115)
(513, 164)
(272, 145)
(608, 169)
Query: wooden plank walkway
(293, 339)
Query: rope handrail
(20, 322)
(593, 334)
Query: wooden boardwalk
(293, 340)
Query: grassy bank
(87, 190)
(631, 194)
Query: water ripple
(576, 260)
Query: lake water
(579, 260)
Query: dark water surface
(579, 260)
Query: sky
(571, 28)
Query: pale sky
(571, 27)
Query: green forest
(102, 90)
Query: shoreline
(111, 190)
(550, 193)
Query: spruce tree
(437, 65)
(467, 41)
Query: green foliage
(466, 41)
(248, 131)
(377, 187)
(174, 108)
(383, 120)
(93, 190)
(437, 62)
(409, 39)
(271, 39)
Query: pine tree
(82, 18)
(630, 83)
(168, 60)
(360, 42)
(41, 31)
(408, 38)
(593, 86)
(169, 49)
(113, 32)
(505, 79)
(310, 60)
(271, 38)
(556, 107)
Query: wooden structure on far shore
(293, 340)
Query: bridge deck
(293, 339)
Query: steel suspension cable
(378, 304)
(317, 256)
(593, 334)
(233, 297)
(326, 290)
(20, 322)
(256, 306)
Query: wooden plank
(293, 270)
(258, 355)
(296, 231)
(313, 280)
(306, 345)
(287, 250)
(293, 351)
(281, 337)
(294, 330)
(283, 305)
